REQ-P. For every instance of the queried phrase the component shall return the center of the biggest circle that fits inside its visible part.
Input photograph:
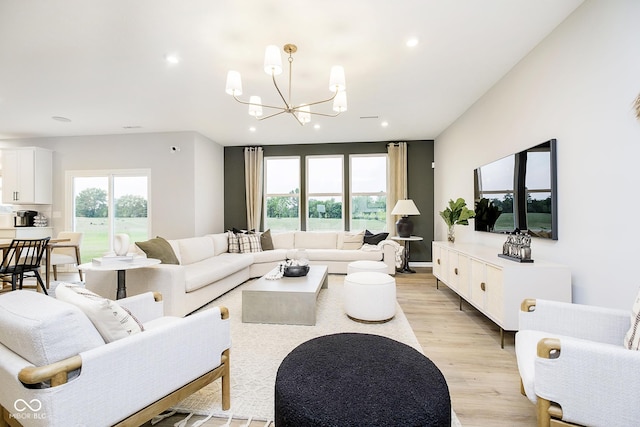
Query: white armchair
(57, 370)
(573, 364)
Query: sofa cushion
(282, 240)
(249, 243)
(160, 249)
(350, 240)
(195, 249)
(266, 243)
(270, 256)
(339, 255)
(220, 243)
(315, 240)
(43, 330)
(110, 319)
(205, 272)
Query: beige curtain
(253, 164)
(397, 179)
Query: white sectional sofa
(206, 269)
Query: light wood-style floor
(483, 378)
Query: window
(104, 203)
(368, 184)
(282, 193)
(494, 182)
(324, 193)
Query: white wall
(178, 191)
(577, 86)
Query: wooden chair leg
(78, 261)
(55, 272)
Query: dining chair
(22, 259)
(67, 252)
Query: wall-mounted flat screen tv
(519, 192)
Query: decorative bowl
(295, 270)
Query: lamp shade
(255, 109)
(405, 208)
(336, 80)
(340, 102)
(234, 83)
(272, 60)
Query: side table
(121, 267)
(407, 249)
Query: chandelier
(302, 112)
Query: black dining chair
(22, 259)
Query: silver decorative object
(517, 247)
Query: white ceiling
(101, 64)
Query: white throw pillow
(632, 337)
(110, 319)
(348, 240)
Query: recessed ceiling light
(316, 126)
(252, 129)
(61, 119)
(412, 42)
(384, 124)
(172, 58)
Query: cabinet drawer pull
(483, 286)
(438, 261)
(455, 270)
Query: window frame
(309, 195)
(265, 194)
(374, 194)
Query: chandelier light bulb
(336, 80)
(340, 102)
(304, 114)
(234, 83)
(255, 106)
(272, 60)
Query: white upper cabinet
(27, 176)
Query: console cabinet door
(478, 283)
(495, 293)
(437, 263)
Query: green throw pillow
(265, 241)
(159, 248)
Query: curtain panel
(397, 179)
(253, 176)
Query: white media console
(497, 286)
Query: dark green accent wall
(420, 182)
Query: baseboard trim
(421, 264)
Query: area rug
(258, 349)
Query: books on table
(111, 259)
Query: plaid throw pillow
(249, 243)
(234, 242)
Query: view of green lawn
(95, 239)
(320, 224)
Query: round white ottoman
(364, 265)
(369, 296)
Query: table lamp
(404, 226)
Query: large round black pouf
(359, 380)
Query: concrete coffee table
(289, 300)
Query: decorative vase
(451, 234)
(121, 244)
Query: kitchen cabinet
(26, 232)
(27, 176)
(496, 286)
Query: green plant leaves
(457, 213)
